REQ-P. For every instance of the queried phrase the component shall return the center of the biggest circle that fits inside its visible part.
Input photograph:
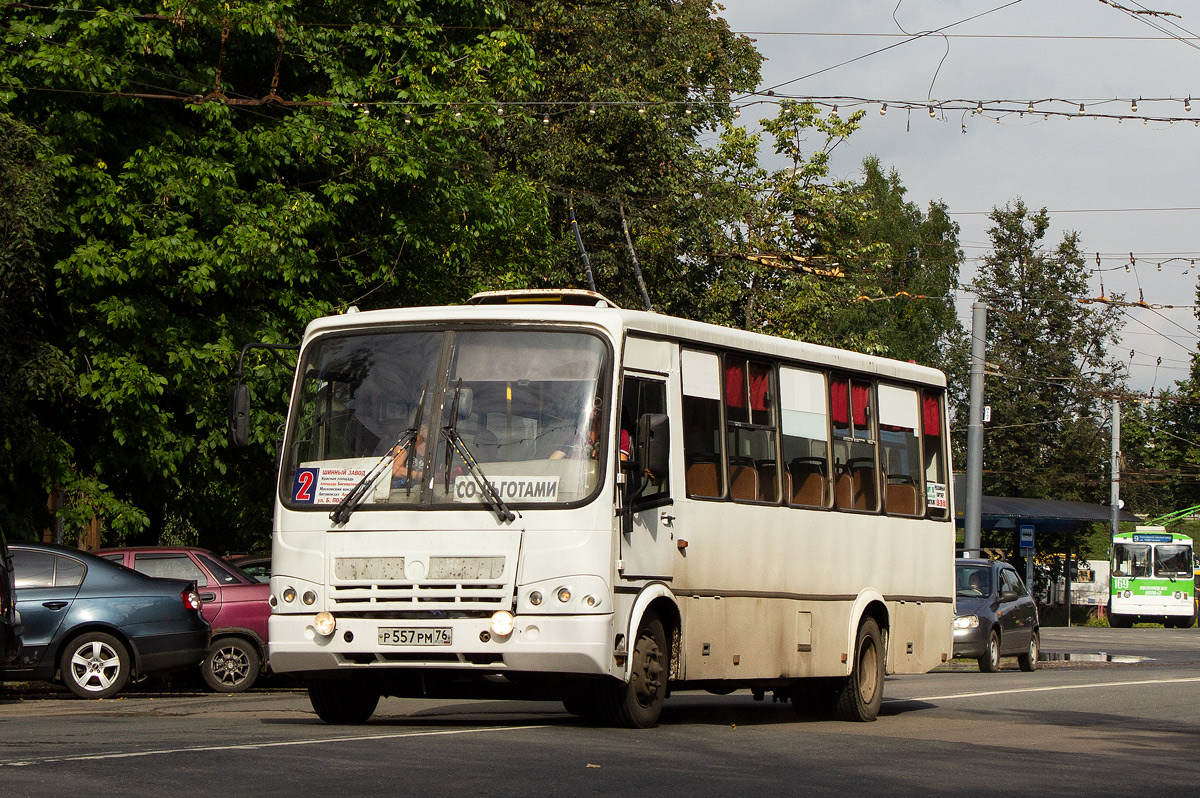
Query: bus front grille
(427, 596)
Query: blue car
(93, 624)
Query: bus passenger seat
(702, 479)
(743, 481)
(902, 499)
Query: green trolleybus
(1151, 578)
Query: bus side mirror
(654, 444)
(239, 414)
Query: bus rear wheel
(861, 695)
(339, 702)
(636, 704)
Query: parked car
(234, 604)
(10, 621)
(95, 625)
(994, 615)
(255, 565)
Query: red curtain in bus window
(735, 384)
(760, 385)
(838, 400)
(931, 415)
(860, 394)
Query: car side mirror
(239, 414)
(1008, 595)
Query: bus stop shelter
(1025, 519)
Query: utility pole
(1115, 495)
(972, 515)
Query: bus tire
(636, 704)
(1185, 622)
(990, 661)
(1118, 621)
(340, 702)
(1029, 660)
(861, 694)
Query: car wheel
(231, 666)
(338, 701)
(861, 695)
(95, 665)
(990, 661)
(1028, 661)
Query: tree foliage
(216, 174)
(1047, 437)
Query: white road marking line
(252, 746)
(1091, 686)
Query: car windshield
(973, 580)
(526, 404)
(1173, 561)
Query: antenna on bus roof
(587, 264)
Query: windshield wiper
(453, 439)
(407, 441)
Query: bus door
(647, 536)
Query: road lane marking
(1094, 685)
(251, 746)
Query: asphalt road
(1074, 727)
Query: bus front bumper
(581, 644)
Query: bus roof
(590, 308)
(1151, 534)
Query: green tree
(1047, 437)
(786, 255)
(918, 280)
(625, 92)
(225, 174)
(29, 450)
(1160, 448)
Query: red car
(234, 604)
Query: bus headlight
(324, 623)
(309, 597)
(966, 622)
(289, 594)
(503, 623)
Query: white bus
(539, 494)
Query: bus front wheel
(861, 695)
(337, 701)
(636, 704)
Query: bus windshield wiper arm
(407, 442)
(342, 512)
(453, 439)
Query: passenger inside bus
(406, 474)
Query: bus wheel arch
(870, 604)
(659, 600)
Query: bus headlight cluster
(966, 622)
(576, 594)
(1126, 594)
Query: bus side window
(933, 444)
(750, 430)
(702, 450)
(900, 449)
(856, 486)
(805, 427)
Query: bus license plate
(392, 636)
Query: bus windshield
(526, 404)
(1173, 561)
(1131, 559)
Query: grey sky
(1032, 50)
